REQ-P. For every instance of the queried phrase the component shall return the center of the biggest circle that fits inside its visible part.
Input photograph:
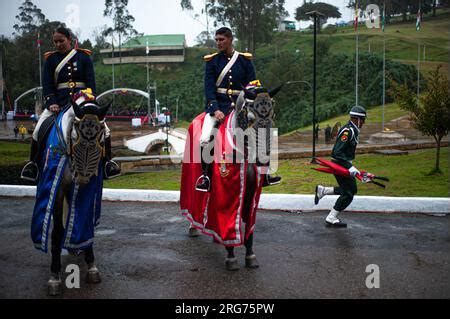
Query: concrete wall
(284, 202)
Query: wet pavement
(143, 251)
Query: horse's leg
(231, 261)
(54, 284)
(193, 232)
(250, 257)
(93, 275)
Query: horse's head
(255, 109)
(87, 139)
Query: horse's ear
(274, 92)
(77, 109)
(103, 110)
(249, 94)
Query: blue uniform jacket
(242, 73)
(77, 70)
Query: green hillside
(289, 57)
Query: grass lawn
(408, 174)
(391, 112)
(401, 40)
(13, 153)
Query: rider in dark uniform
(66, 72)
(221, 91)
(343, 154)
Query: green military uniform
(343, 154)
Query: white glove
(353, 171)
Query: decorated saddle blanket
(219, 213)
(82, 203)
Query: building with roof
(154, 49)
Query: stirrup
(268, 183)
(112, 170)
(198, 183)
(24, 172)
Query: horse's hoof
(74, 252)
(251, 262)
(194, 232)
(54, 286)
(231, 264)
(93, 276)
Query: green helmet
(358, 111)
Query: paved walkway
(143, 251)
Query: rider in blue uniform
(226, 73)
(66, 72)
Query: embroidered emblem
(224, 172)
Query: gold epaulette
(247, 55)
(49, 53)
(88, 52)
(209, 57)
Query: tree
(205, 40)
(430, 115)
(29, 18)
(123, 23)
(328, 11)
(252, 21)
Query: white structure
(285, 202)
(146, 143)
(126, 90)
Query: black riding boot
(271, 180)
(112, 169)
(30, 171)
(203, 183)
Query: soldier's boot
(333, 221)
(271, 180)
(30, 171)
(321, 191)
(112, 169)
(203, 183)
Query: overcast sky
(152, 16)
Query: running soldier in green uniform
(343, 154)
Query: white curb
(284, 202)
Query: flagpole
(2, 102)
(40, 59)
(39, 100)
(148, 84)
(418, 70)
(419, 18)
(357, 52)
(113, 75)
(384, 68)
